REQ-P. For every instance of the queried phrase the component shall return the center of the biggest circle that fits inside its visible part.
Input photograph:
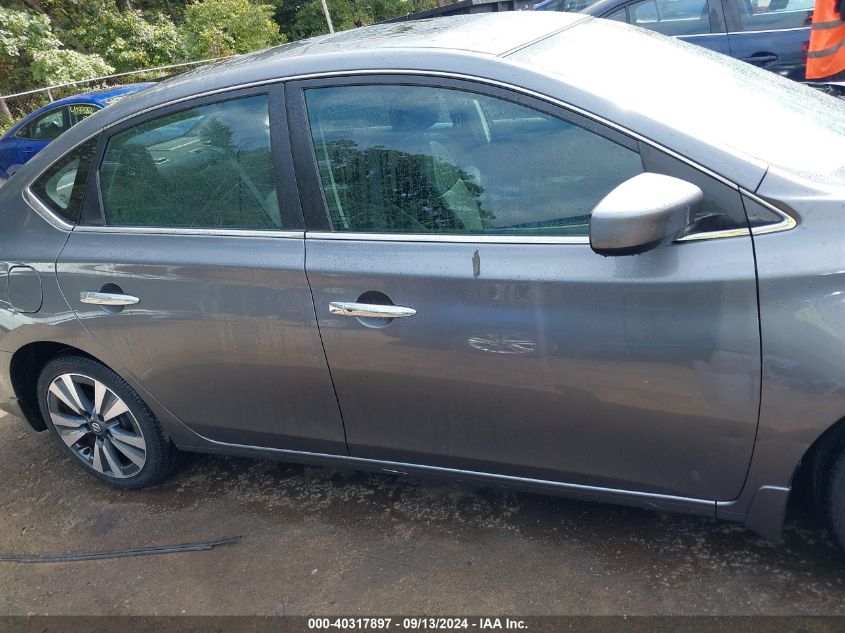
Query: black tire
(158, 451)
(832, 489)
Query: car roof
(101, 96)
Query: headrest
(407, 115)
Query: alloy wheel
(96, 425)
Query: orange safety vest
(826, 53)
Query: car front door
(468, 324)
(771, 34)
(188, 267)
(35, 135)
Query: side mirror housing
(642, 213)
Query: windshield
(707, 95)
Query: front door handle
(107, 299)
(369, 310)
(761, 58)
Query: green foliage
(22, 32)
(59, 66)
(214, 28)
(45, 42)
(30, 51)
(128, 40)
(304, 18)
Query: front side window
(62, 186)
(46, 127)
(204, 167)
(420, 159)
(773, 15)
(672, 17)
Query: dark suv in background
(772, 34)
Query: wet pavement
(323, 541)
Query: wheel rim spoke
(60, 391)
(67, 421)
(133, 454)
(72, 436)
(112, 459)
(100, 392)
(116, 408)
(97, 462)
(125, 437)
(83, 405)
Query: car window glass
(62, 186)
(204, 167)
(435, 160)
(620, 15)
(80, 111)
(672, 17)
(46, 127)
(571, 6)
(768, 15)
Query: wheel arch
(25, 367)
(810, 470)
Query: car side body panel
(802, 323)
(802, 352)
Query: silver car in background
(541, 250)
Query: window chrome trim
(714, 235)
(446, 237)
(786, 225)
(163, 230)
(402, 468)
(794, 28)
(35, 203)
(787, 222)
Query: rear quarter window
(62, 186)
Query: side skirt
(669, 503)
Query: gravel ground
(322, 541)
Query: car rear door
(771, 34)
(468, 324)
(188, 267)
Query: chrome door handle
(107, 299)
(369, 310)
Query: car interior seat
(414, 125)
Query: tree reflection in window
(398, 191)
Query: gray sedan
(516, 248)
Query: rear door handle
(107, 299)
(369, 310)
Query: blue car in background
(32, 133)
(772, 34)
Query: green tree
(127, 39)
(31, 53)
(214, 28)
(304, 18)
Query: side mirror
(642, 213)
